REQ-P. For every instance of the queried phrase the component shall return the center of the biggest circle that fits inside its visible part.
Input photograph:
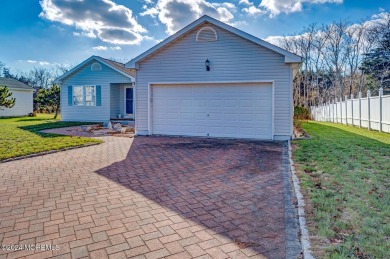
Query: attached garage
(213, 80)
(234, 110)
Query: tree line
(47, 94)
(341, 58)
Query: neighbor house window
(84, 95)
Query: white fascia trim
(82, 64)
(59, 79)
(289, 57)
(20, 89)
(116, 69)
(150, 85)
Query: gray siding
(85, 76)
(115, 102)
(118, 100)
(23, 103)
(232, 58)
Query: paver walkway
(150, 197)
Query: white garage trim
(151, 84)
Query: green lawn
(21, 136)
(345, 177)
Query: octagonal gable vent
(206, 34)
(96, 67)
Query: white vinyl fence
(372, 112)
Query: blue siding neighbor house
(97, 90)
(209, 79)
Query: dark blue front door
(129, 101)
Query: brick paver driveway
(150, 197)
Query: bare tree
(41, 77)
(332, 57)
(59, 70)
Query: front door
(129, 101)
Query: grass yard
(345, 177)
(21, 136)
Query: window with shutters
(90, 95)
(78, 95)
(206, 34)
(84, 95)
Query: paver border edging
(305, 240)
(47, 152)
(292, 241)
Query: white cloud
(275, 7)
(276, 40)
(104, 48)
(245, 2)
(31, 61)
(100, 48)
(103, 19)
(253, 10)
(175, 14)
(250, 8)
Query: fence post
(341, 110)
(380, 108)
(323, 112)
(368, 109)
(346, 110)
(360, 109)
(329, 112)
(352, 109)
(333, 108)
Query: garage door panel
(243, 111)
(186, 116)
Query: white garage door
(217, 110)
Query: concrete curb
(305, 241)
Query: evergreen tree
(5, 100)
(376, 64)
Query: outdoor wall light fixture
(207, 63)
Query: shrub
(301, 113)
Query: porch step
(125, 122)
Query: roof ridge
(110, 60)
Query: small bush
(301, 113)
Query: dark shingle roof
(13, 83)
(119, 66)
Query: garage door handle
(208, 115)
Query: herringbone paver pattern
(150, 197)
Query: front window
(90, 95)
(78, 95)
(84, 95)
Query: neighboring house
(23, 95)
(97, 90)
(208, 79)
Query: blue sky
(50, 32)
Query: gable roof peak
(117, 66)
(289, 57)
